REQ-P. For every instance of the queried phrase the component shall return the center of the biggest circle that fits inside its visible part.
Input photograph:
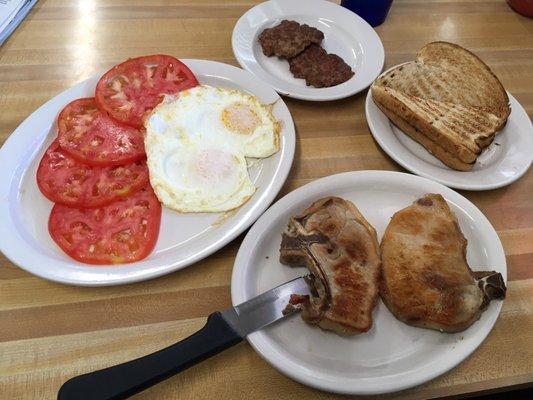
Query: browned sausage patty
(288, 39)
(318, 68)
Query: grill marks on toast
(451, 126)
(450, 85)
(458, 120)
(449, 95)
(438, 151)
(468, 72)
(465, 80)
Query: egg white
(195, 176)
(204, 111)
(196, 144)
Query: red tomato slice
(129, 91)
(121, 232)
(92, 137)
(66, 181)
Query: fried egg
(195, 176)
(232, 116)
(196, 144)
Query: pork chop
(426, 280)
(340, 248)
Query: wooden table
(50, 332)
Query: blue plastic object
(372, 11)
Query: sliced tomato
(129, 91)
(92, 137)
(121, 232)
(64, 180)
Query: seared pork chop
(426, 281)
(340, 248)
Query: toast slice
(426, 281)
(450, 97)
(340, 248)
(447, 72)
(434, 148)
(461, 130)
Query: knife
(222, 330)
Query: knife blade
(222, 330)
(266, 308)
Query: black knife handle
(124, 380)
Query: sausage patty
(320, 69)
(288, 39)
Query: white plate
(346, 34)
(392, 355)
(503, 162)
(183, 238)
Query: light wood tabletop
(50, 332)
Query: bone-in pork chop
(340, 248)
(426, 280)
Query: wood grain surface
(50, 332)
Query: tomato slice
(130, 90)
(92, 137)
(121, 232)
(66, 181)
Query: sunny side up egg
(196, 144)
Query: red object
(92, 137)
(524, 7)
(122, 232)
(129, 91)
(66, 181)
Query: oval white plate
(183, 238)
(503, 162)
(392, 355)
(346, 34)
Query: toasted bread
(426, 280)
(460, 130)
(448, 95)
(447, 72)
(340, 248)
(443, 155)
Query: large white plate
(183, 238)
(503, 162)
(346, 34)
(392, 355)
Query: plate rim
(390, 148)
(11, 153)
(259, 342)
(312, 96)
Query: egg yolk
(240, 118)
